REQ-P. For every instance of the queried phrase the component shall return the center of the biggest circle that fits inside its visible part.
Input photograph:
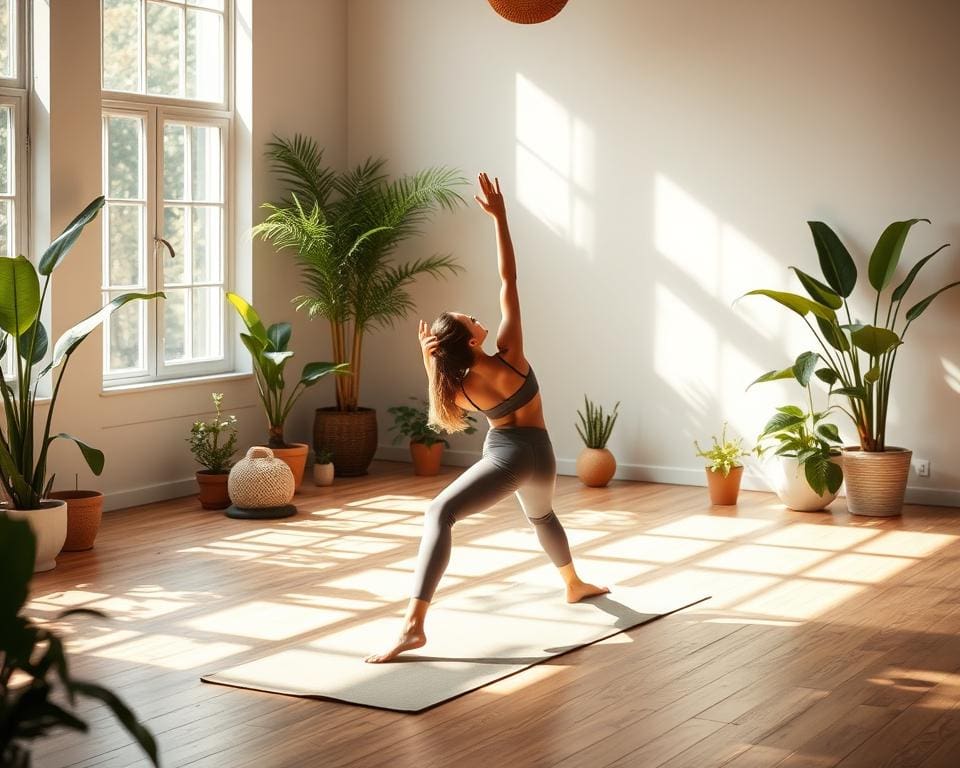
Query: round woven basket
(350, 435)
(527, 11)
(876, 481)
(261, 486)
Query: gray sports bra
(517, 400)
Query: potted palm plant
(426, 446)
(344, 229)
(24, 444)
(36, 659)
(725, 470)
(858, 358)
(595, 464)
(268, 347)
(213, 444)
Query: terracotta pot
(295, 457)
(213, 489)
(323, 473)
(793, 489)
(876, 480)
(426, 461)
(84, 512)
(595, 467)
(49, 524)
(724, 490)
(350, 435)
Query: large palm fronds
(345, 228)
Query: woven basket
(527, 11)
(876, 481)
(350, 435)
(260, 481)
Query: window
(14, 183)
(166, 129)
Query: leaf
(17, 555)
(917, 309)
(313, 372)
(279, 359)
(792, 410)
(93, 456)
(827, 375)
(818, 291)
(279, 336)
(786, 373)
(873, 375)
(124, 715)
(41, 345)
(804, 367)
(829, 432)
(835, 338)
(875, 341)
(781, 422)
(249, 316)
(857, 393)
(19, 295)
(886, 253)
(799, 304)
(901, 290)
(55, 252)
(838, 268)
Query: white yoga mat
(473, 638)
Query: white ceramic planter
(49, 525)
(794, 491)
(323, 473)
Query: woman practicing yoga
(517, 454)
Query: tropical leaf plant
(856, 359)
(23, 448)
(269, 350)
(344, 229)
(412, 422)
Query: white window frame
(14, 93)
(155, 110)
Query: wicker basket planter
(527, 11)
(351, 436)
(876, 481)
(84, 512)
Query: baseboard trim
(148, 494)
(645, 473)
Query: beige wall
(299, 84)
(659, 160)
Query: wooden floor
(829, 640)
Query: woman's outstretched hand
(428, 342)
(491, 200)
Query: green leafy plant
(344, 229)
(23, 457)
(595, 427)
(323, 456)
(858, 358)
(268, 347)
(724, 454)
(37, 657)
(205, 437)
(804, 435)
(412, 422)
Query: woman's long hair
(452, 358)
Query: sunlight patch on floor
(264, 620)
(170, 651)
(655, 549)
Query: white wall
(299, 84)
(660, 159)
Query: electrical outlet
(922, 466)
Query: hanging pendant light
(527, 11)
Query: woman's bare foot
(411, 638)
(581, 589)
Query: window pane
(163, 49)
(125, 254)
(174, 269)
(121, 45)
(6, 217)
(6, 149)
(174, 161)
(204, 65)
(216, 5)
(174, 322)
(206, 244)
(207, 321)
(124, 336)
(124, 157)
(205, 163)
(8, 30)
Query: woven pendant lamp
(527, 11)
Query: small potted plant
(808, 447)
(426, 446)
(323, 467)
(595, 464)
(725, 470)
(213, 444)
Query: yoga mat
(473, 638)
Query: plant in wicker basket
(596, 465)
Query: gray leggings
(515, 460)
